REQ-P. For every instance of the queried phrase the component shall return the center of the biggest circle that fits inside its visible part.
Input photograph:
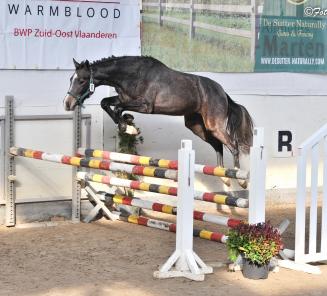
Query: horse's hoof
(122, 126)
(128, 118)
(243, 183)
(226, 181)
(131, 130)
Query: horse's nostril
(66, 105)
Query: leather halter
(80, 99)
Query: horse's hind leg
(215, 122)
(195, 123)
(236, 156)
(219, 148)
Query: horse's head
(81, 85)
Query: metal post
(10, 170)
(160, 12)
(76, 192)
(254, 30)
(2, 159)
(88, 123)
(185, 261)
(257, 190)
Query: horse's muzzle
(69, 103)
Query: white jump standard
(184, 262)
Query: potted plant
(257, 244)
(128, 144)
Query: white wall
(275, 100)
(42, 93)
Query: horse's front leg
(125, 122)
(115, 114)
(127, 118)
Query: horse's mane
(105, 60)
(108, 60)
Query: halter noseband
(80, 99)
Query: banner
(293, 43)
(48, 34)
(237, 35)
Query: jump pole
(184, 262)
(136, 169)
(163, 163)
(168, 190)
(171, 227)
(171, 210)
(100, 203)
(94, 163)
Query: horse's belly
(173, 106)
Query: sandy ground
(117, 258)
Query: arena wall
(276, 101)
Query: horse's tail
(239, 125)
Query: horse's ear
(76, 64)
(87, 64)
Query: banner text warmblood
(67, 11)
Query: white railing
(306, 249)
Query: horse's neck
(111, 75)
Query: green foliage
(256, 242)
(128, 143)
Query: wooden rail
(242, 9)
(250, 11)
(225, 30)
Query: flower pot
(254, 271)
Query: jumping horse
(146, 85)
